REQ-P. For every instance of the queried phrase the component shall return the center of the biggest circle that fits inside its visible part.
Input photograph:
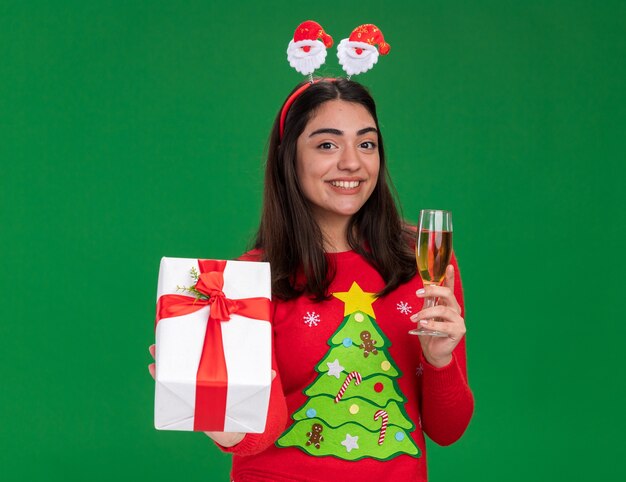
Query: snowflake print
(311, 318)
(419, 370)
(404, 308)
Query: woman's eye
(325, 145)
(368, 145)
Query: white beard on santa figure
(351, 61)
(306, 62)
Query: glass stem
(429, 303)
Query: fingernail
(421, 291)
(423, 322)
(413, 317)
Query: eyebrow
(337, 132)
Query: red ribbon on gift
(212, 376)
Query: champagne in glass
(433, 249)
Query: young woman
(354, 392)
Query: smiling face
(337, 161)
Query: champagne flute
(433, 249)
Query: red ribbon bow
(212, 376)
(210, 284)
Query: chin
(348, 211)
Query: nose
(349, 160)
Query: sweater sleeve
(277, 415)
(447, 402)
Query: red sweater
(308, 341)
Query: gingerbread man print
(315, 436)
(368, 344)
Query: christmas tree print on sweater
(354, 408)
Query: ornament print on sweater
(354, 407)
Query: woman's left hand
(438, 350)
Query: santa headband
(307, 52)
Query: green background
(131, 130)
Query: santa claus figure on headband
(358, 53)
(305, 52)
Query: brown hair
(288, 235)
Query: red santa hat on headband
(358, 53)
(305, 52)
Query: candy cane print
(351, 376)
(383, 428)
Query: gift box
(213, 345)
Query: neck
(335, 233)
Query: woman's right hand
(225, 439)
